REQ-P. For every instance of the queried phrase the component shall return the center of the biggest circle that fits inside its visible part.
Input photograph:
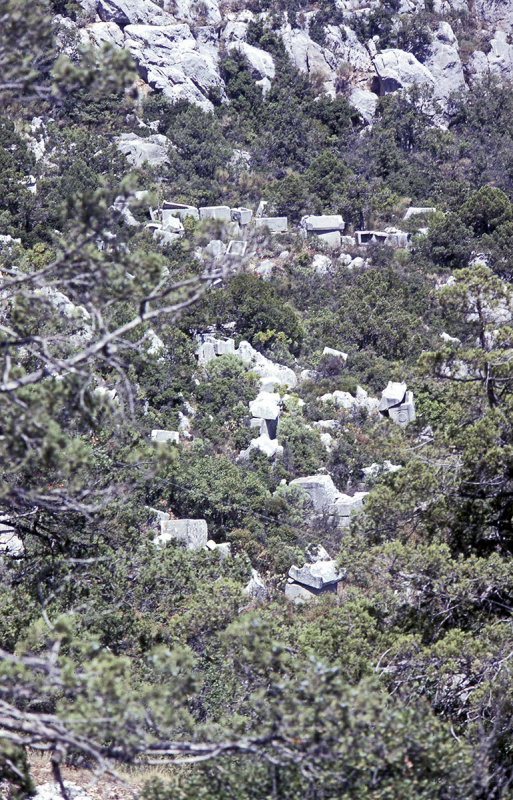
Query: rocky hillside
(359, 48)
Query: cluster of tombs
(167, 224)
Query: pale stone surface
(270, 373)
(274, 224)
(51, 791)
(125, 12)
(266, 405)
(330, 351)
(193, 532)
(364, 101)
(397, 69)
(317, 575)
(413, 211)
(321, 223)
(320, 489)
(162, 436)
(321, 264)
(10, 542)
(256, 588)
(269, 447)
(261, 63)
(137, 149)
(445, 65)
(299, 594)
(220, 213)
(170, 59)
(331, 239)
(392, 395)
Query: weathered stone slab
(274, 224)
(162, 436)
(317, 575)
(320, 489)
(219, 213)
(193, 532)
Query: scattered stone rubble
(269, 373)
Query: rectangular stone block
(194, 532)
(275, 224)
(220, 213)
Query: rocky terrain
(177, 46)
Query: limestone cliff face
(177, 45)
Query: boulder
(396, 69)
(345, 505)
(137, 149)
(365, 102)
(320, 489)
(392, 395)
(321, 264)
(317, 575)
(270, 373)
(269, 447)
(193, 532)
(256, 588)
(329, 351)
(298, 594)
(266, 405)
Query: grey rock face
(261, 62)
(193, 532)
(169, 58)
(445, 65)
(364, 101)
(126, 12)
(137, 150)
(397, 69)
(495, 12)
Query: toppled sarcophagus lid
(319, 576)
(397, 403)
